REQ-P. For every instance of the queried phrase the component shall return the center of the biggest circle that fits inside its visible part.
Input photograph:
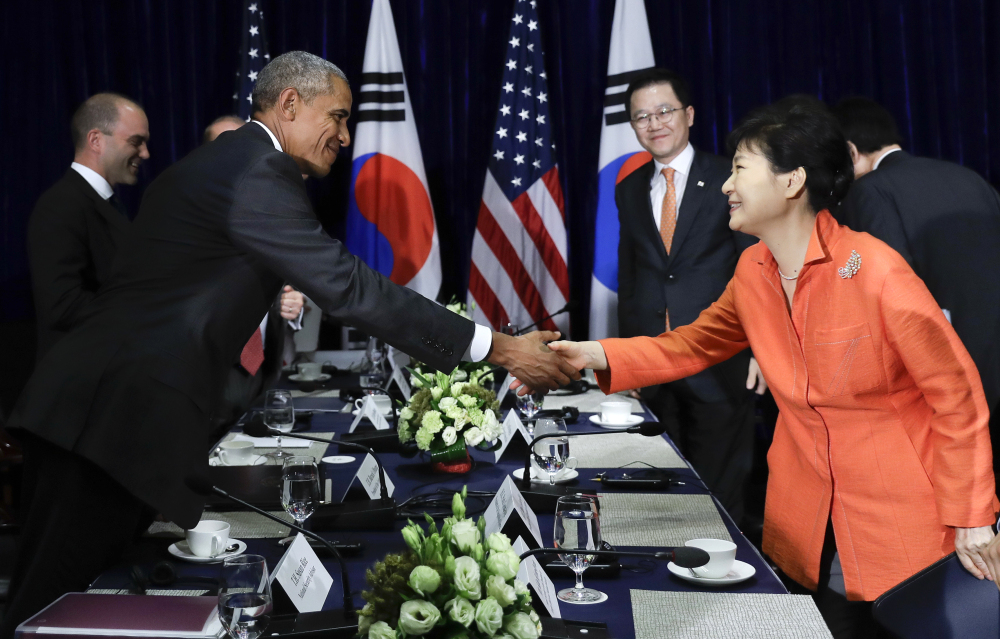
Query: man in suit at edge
(78, 225)
(117, 415)
(944, 219)
(676, 254)
(260, 361)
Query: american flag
(253, 57)
(519, 272)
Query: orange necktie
(668, 219)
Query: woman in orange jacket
(883, 426)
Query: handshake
(536, 367)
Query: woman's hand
(977, 550)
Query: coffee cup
(209, 538)
(310, 370)
(234, 453)
(382, 402)
(615, 412)
(721, 554)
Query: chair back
(942, 600)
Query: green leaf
(424, 380)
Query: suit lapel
(105, 208)
(694, 198)
(641, 204)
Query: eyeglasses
(663, 115)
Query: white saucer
(741, 572)
(563, 476)
(338, 459)
(259, 461)
(632, 421)
(323, 377)
(182, 551)
(384, 414)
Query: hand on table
(291, 303)
(756, 378)
(529, 360)
(978, 551)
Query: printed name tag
(532, 574)
(498, 514)
(303, 576)
(370, 410)
(511, 426)
(369, 478)
(504, 387)
(400, 379)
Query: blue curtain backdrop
(934, 64)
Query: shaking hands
(565, 357)
(535, 365)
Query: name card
(369, 478)
(508, 500)
(401, 382)
(504, 388)
(533, 575)
(512, 424)
(370, 410)
(302, 576)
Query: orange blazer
(883, 421)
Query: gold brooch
(851, 268)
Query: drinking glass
(299, 487)
(551, 453)
(245, 596)
(529, 405)
(279, 415)
(577, 528)
(374, 372)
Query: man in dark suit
(118, 414)
(944, 219)
(78, 225)
(676, 254)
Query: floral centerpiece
(445, 416)
(450, 584)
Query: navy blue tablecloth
(414, 476)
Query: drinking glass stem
(579, 581)
(552, 479)
(279, 442)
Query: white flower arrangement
(445, 413)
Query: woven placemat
(166, 593)
(721, 615)
(620, 449)
(638, 519)
(243, 525)
(589, 402)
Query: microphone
(570, 307)
(543, 497)
(683, 556)
(348, 620)
(368, 514)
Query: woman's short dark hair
(800, 131)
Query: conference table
(414, 476)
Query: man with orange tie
(676, 254)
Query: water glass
(279, 415)
(300, 487)
(529, 405)
(577, 528)
(551, 453)
(245, 596)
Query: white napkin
(287, 441)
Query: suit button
(448, 352)
(670, 277)
(426, 341)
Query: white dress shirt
(658, 185)
(94, 179)
(483, 338)
(882, 157)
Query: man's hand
(529, 360)
(577, 355)
(977, 550)
(755, 377)
(291, 303)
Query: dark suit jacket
(218, 234)
(944, 219)
(73, 237)
(702, 260)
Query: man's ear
(95, 141)
(288, 103)
(854, 152)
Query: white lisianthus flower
(437, 392)
(407, 413)
(497, 588)
(465, 535)
(449, 436)
(467, 578)
(380, 630)
(498, 542)
(432, 422)
(424, 438)
(520, 626)
(459, 376)
(424, 580)
(504, 564)
(461, 610)
(473, 436)
(417, 617)
(457, 388)
(489, 616)
(446, 404)
(520, 588)
(461, 420)
(468, 401)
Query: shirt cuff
(296, 324)
(480, 345)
